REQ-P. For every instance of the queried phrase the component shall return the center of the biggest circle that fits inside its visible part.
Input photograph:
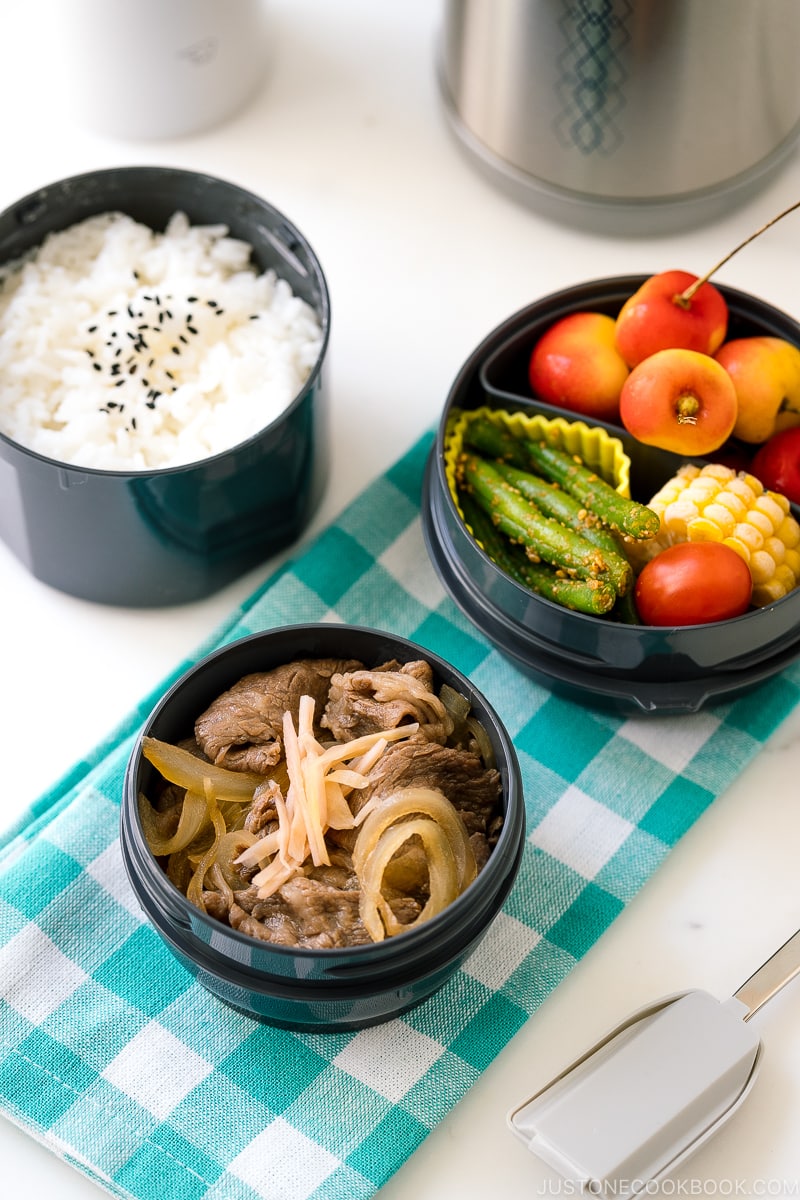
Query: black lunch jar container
(627, 669)
(294, 987)
(177, 534)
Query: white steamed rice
(126, 349)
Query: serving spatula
(654, 1089)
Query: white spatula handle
(776, 972)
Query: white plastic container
(145, 69)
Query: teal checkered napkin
(119, 1062)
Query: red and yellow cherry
(766, 374)
(659, 317)
(679, 400)
(575, 365)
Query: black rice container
(300, 988)
(629, 669)
(173, 535)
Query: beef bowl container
(625, 668)
(304, 987)
(130, 533)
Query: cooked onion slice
(458, 706)
(194, 891)
(188, 771)
(378, 918)
(418, 801)
(193, 819)
(231, 845)
(482, 741)
(451, 862)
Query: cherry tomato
(693, 583)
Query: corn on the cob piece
(717, 504)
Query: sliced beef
(304, 912)
(263, 812)
(460, 775)
(319, 910)
(217, 906)
(319, 907)
(242, 728)
(166, 817)
(362, 702)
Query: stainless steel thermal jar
(625, 112)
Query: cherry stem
(684, 298)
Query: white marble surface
(423, 258)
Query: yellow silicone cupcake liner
(596, 448)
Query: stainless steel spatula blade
(654, 1089)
